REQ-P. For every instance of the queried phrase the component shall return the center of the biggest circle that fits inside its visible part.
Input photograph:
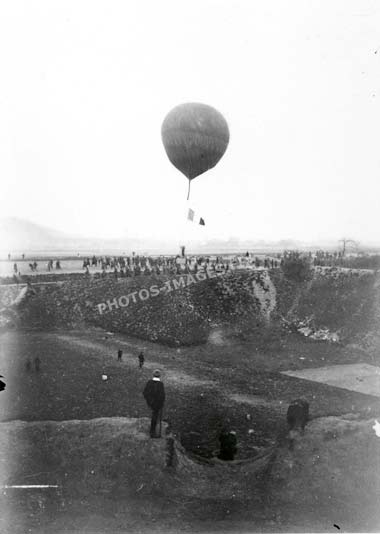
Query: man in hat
(154, 394)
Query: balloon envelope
(195, 137)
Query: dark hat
(157, 373)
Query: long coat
(154, 394)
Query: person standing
(228, 445)
(141, 359)
(154, 394)
(119, 355)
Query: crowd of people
(136, 265)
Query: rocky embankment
(183, 310)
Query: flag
(191, 215)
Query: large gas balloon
(195, 137)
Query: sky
(85, 86)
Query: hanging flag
(191, 215)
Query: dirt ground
(210, 386)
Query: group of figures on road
(34, 267)
(136, 265)
(50, 265)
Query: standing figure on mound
(154, 394)
(228, 445)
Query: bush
(296, 266)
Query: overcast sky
(85, 86)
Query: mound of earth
(184, 310)
(341, 301)
(137, 306)
(109, 455)
(370, 339)
(333, 468)
(177, 310)
(329, 475)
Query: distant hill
(19, 235)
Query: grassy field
(207, 387)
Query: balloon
(195, 137)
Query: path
(176, 377)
